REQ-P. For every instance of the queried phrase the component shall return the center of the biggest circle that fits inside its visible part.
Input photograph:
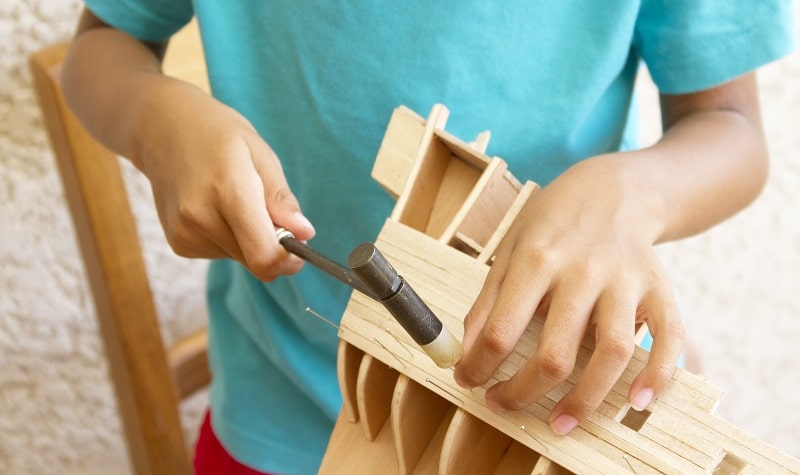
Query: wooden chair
(149, 380)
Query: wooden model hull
(404, 414)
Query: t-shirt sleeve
(691, 45)
(147, 20)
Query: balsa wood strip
(471, 446)
(500, 231)
(517, 460)
(481, 142)
(416, 416)
(431, 459)
(456, 279)
(374, 390)
(348, 362)
(412, 204)
(452, 191)
(486, 205)
(398, 149)
(349, 452)
(545, 466)
(463, 151)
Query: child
(313, 83)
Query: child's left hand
(580, 253)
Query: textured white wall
(57, 410)
(737, 283)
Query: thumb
(285, 212)
(282, 205)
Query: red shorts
(211, 458)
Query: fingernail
(563, 424)
(301, 218)
(642, 399)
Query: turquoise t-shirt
(552, 80)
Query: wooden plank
(446, 280)
(481, 142)
(398, 149)
(545, 466)
(413, 204)
(431, 459)
(374, 390)
(348, 361)
(350, 453)
(416, 416)
(500, 231)
(456, 185)
(518, 460)
(471, 446)
(483, 210)
(463, 151)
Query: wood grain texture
(398, 150)
(417, 415)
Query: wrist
(156, 110)
(640, 204)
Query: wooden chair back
(149, 379)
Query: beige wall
(738, 284)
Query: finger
(199, 248)
(516, 302)
(191, 232)
(668, 340)
(208, 235)
(202, 248)
(282, 205)
(243, 207)
(479, 312)
(614, 315)
(219, 233)
(224, 237)
(554, 358)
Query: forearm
(708, 166)
(711, 162)
(114, 84)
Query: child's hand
(581, 254)
(219, 188)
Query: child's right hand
(218, 186)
